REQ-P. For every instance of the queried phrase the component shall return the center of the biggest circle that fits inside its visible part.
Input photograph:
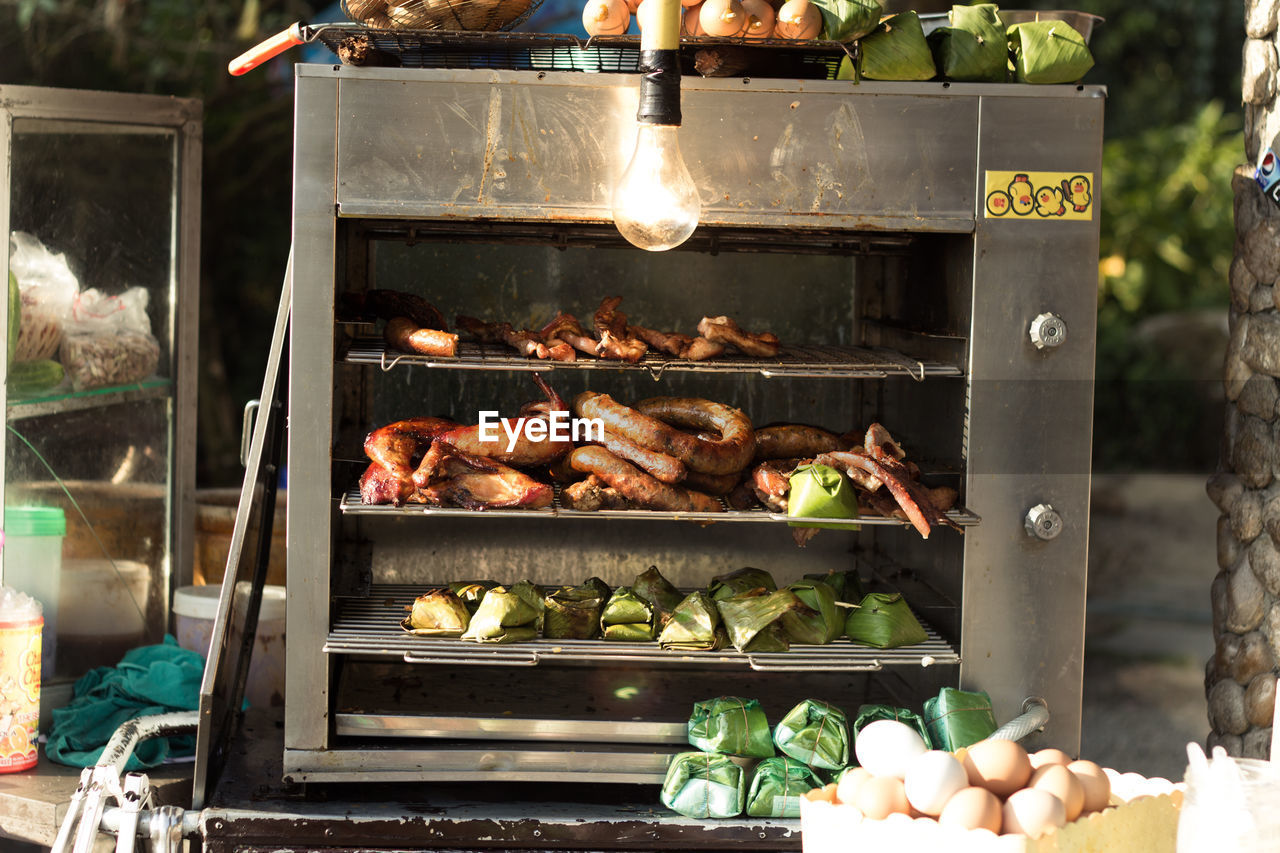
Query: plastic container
(1231, 804)
(102, 606)
(196, 607)
(33, 564)
(20, 624)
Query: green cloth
(148, 680)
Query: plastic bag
(47, 287)
(108, 340)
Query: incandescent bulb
(655, 204)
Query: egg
(1097, 786)
(1049, 756)
(798, 19)
(723, 18)
(1000, 766)
(690, 26)
(605, 17)
(1033, 813)
(827, 794)
(849, 782)
(973, 808)
(886, 747)
(932, 778)
(1063, 784)
(881, 796)
(760, 18)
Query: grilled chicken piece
(451, 477)
(528, 343)
(395, 450)
(592, 494)
(723, 330)
(911, 497)
(615, 341)
(674, 343)
(566, 329)
(771, 482)
(524, 451)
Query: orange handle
(260, 53)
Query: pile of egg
(748, 19)
(993, 785)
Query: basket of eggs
(452, 15)
(988, 797)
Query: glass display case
(99, 205)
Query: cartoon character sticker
(1039, 195)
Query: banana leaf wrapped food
(1048, 52)
(820, 491)
(437, 613)
(702, 785)
(868, 714)
(883, 620)
(695, 625)
(957, 718)
(730, 725)
(504, 616)
(816, 621)
(573, 612)
(472, 592)
(659, 592)
(846, 20)
(778, 786)
(847, 585)
(975, 47)
(815, 733)
(740, 581)
(753, 620)
(897, 50)
(536, 597)
(627, 617)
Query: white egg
(1033, 812)
(932, 778)
(886, 747)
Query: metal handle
(260, 53)
(1048, 331)
(530, 660)
(246, 429)
(1043, 522)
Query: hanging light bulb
(655, 204)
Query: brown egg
(605, 17)
(827, 793)
(972, 808)
(881, 796)
(1000, 766)
(1097, 787)
(760, 18)
(723, 18)
(849, 782)
(1063, 784)
(798, 19)
(690, 26)
(1049, 756)
(1033, 813)
(632, 5)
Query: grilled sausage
(636, 486)
(666, 468)
(627, 422)
(405, 335)
(712, 484)
(789, 441)
(731, 453)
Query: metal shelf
(371, 626)
(59, 402)
(350, 505)
(810, 362)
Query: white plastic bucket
(196, 607)
(33, 564)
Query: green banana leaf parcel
(701, 786)
(957, 718)
(975, 47)
(729, 725)
(627, 617)
(753, 619)
(437, 613)
(815, 733)
(504, 616)
(694, 625)
(573, 613)
(740, 581)
(1048, 52)
(817, 621)
(659, 592)
(884, 621)
(778, 786)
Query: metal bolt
(1048, 331)
(1043, 522)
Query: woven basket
(469, 15)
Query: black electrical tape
(659, 87)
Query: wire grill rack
(371, 626)
(811, 362)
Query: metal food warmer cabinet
(870, 227)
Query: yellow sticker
(1039, 195)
